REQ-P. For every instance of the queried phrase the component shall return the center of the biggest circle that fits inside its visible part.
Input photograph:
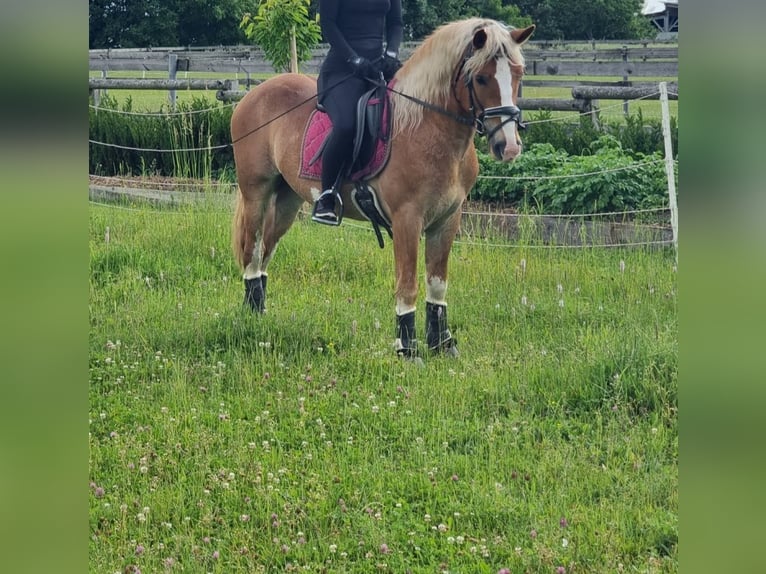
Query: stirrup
(328, 217)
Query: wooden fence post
(625, 79)
(97, 93)
(669, 165)
(172, 67)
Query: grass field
(297, 441)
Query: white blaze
(505, 81)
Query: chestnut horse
(464, 77)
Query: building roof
(656, 6)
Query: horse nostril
(498, 149)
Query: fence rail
(626, 60)
(621, 65)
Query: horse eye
(481, 80)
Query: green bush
(634, 133)
(606, 178)
(536, 162)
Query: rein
(476, 121)
(434, 108)
(287, 111)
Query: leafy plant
(607, 178)
(273, 25)
(635, 133)
(495, 184)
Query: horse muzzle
(503, 138)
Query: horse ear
(521, 35)
(479, 39)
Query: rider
(355, 30)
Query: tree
(131, 24)
(146, 23)
(421, 17)
(592, 20)
(210, 22)
(272, 26)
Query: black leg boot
(406, 345)
(255, 293)
(438, 335)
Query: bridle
(476, 120)
(512, 113)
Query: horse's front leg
(438, 245)
(406, 231)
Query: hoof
(451, 351)
(448, 350)
(411, 357)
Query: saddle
(372, 148)
(371, 141)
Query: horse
(462, 79)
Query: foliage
(551, 149)
(274, 23)
(539, 160)
(184, 130)
(604, 179)
(421, 17)
(147, 23)
(144, 23)
(634, 132)
(593, 20)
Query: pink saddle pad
(318, 128)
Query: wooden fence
(622, 70)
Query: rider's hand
(362, 67)
(390, 65)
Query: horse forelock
(428, 73)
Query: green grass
(297, 440)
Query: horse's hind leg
(247, 236)
(438, 246)
(280, 216)
(264, 213)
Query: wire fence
(463, 238)
(630, 216)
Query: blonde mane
(428, 73)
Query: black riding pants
(340, 102)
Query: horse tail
(238, 231)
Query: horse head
(487, 85)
